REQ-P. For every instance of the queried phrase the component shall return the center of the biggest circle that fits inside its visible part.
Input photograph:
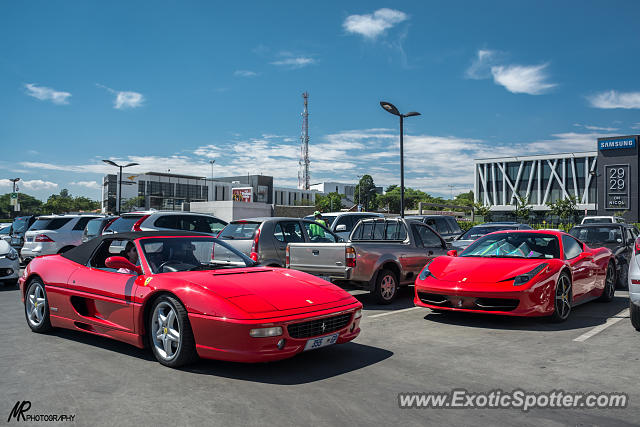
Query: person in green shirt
(317, 230)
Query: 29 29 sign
(617, 189)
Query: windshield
(602, 234)
(170, 254)
(239, 230)
(598, 220)
(5, 230)
(124, 223)
(20, 224)
(478, 231)
(514, 245)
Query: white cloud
(374, 24)
(481, 66)
(47, 94)
(531, 79)
(35, 184)
(125, 99)
(245, 73)
(294, 62)
(635, 126)
(614, 99)
(88, 184)
(601, 128)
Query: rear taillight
(638, 246)
(136, 226)
(43, 238)
(287, 261)
(254, 246)
(350, 256)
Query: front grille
(469, 303)
(313, 328)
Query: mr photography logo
(21, 412)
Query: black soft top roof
(82, 253)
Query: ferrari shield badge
(147, 280)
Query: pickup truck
(382, 255)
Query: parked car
(518, 273)
(20, 226)
(602, 219)
(265, 239)
(478, 231)
(165, 221)
(184, 305)
(445, 225)
(342, 223)
(95, 227)
(617, 237)
(54, 234)
(5, 232)
(9, 264)
(381, 255)
(634, 285)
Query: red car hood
(481, 270)
(266, 289)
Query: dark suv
(20, 226)
(445, 225)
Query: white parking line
(393, 312)
(624, 314)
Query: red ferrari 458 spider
(189, 295)
(518, 273)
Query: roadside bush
(466, 225)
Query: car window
(630, 237)
(597, 234)
(93, 226)
(346, 220)
(239, 230)
(107, 248)
(454, 226)
(214, 224)
(20, 224)
(82, 222)
(318, 233)
(571, 247)
(441, 226)
(395, 231)
(49, 223)
(427, 236)
(289, 232)
(123, 224)
(167, 221)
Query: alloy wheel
(165, 331)
(388, 287)
(36, 304)
(563, 297)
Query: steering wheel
(161, 266)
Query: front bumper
(504, 299)
(228, 339)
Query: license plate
(320, 342)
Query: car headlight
(266, 332)
(425, 273)
(357, 314)
(524, 278)
(13, 254)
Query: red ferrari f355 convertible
(518, 273)
(186, 295)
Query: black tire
(609, 290)
(185, 351)
(635, 315)
(36, 307)
(386, 287)
(622, 282)
(562, 299)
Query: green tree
(65, 202)
(29, 205)
(481, 210)
(523, 208)
(367, 190)
(564, 209)
(329, 203)
(464, 199)
(133, 203)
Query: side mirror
(341, 227)
(121, 262)
(452, 252)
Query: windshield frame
(144, 262)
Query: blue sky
(173, 84)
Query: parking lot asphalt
(400, 349)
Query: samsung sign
(612, 144)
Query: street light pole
(119, 195)
(359, 193)
(212, 190)
(390, 108)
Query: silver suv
(165, 221)
(265, 239)
(54, 234)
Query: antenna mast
(303, 163)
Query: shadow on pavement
(583, 316)
(404, 299)
(303, 368)
(102, 342)
(6, 288)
